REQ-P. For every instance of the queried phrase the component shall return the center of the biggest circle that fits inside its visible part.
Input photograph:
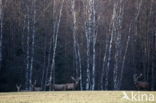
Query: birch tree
(55, 37)
(32, 44)
(91, 37)
(51, 42)
(77, 55)
(118, 50)
(110, 48)
(104, 63)
(45, 57)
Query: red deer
(34, 87)
(18, 87)
(66, 86)
(140, 85)
(72, 86)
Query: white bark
(94, 43)
(103, 65)
(124, 57)
(110, 48)
(74, 36)
(80, 69)
(44, 61)
(76, 46)
(118, 50)
(88, 60)
(91, 36)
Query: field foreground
(79, 97)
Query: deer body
(59, 87)
(34, 87)
(70, 86)
(67, 86)
(143, 85)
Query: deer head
(76, 80)
(140, 84)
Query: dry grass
(72, 97)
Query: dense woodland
(102, 42)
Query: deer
(140, 85)
(73, 86)
(18, 87)
(34, 87)
(66, 86)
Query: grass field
(79, 97)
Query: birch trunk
(32, 45)
(44, 61)
(91, 35)
(118, 50)
(94, 44)
(50, 46)
(110, 48)
(55, 43)
(88, 61)
(74, 37)
(77, 55)
(80, 69)
(103, 65)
